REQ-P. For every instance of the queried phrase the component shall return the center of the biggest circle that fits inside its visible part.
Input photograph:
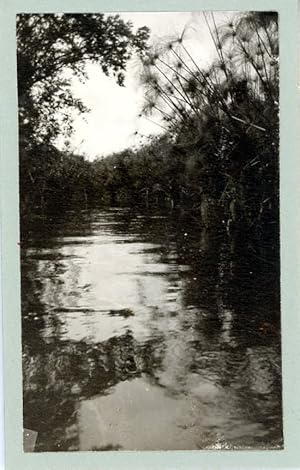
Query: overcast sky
(113, 120)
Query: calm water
(143, 332)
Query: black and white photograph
(149, 220)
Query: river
(140, 333)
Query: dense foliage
(218, 155)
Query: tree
(52, 47)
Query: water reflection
(142, 332)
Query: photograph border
(15, 458)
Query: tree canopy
(53, 47)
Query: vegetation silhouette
(219, 154)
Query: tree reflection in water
(187, 314)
